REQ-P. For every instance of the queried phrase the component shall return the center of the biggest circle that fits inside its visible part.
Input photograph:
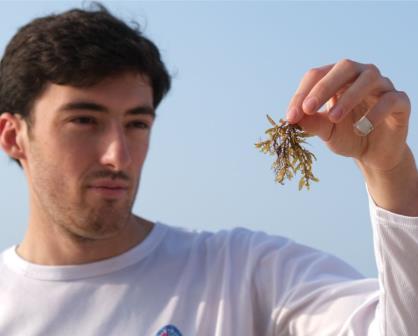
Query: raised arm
(367, 119)
(353, 90)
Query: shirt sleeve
(396, 249)
(310, 292)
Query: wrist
(395, 190)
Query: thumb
(317, 124)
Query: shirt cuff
(388, 217)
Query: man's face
(85, 154)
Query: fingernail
(292, 114)
(336, 113)
(310, 104)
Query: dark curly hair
(78, 48)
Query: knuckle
(404, 96)
(391, 98)
(387, 82)
(346, 63)
(405, 99)
(373, 69)
(372, 73)
(314, 72)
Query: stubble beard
(86, 222)
(80, 217)
(72, 211)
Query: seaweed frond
(284, 141)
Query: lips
(109, 184)
(109, 188)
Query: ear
(12, 135)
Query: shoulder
(233, 243)
(257, 249)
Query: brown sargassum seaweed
(284, 141)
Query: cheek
(135, 143)
(46, 174)
(139, 153)
(60, 162)
(76, 150)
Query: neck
(52, 245)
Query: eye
(138, 124)
(83, 120)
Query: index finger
(308, 81)
(315, 90)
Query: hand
(352, 90)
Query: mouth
(110, 192)
(109, 189)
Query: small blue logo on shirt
(169, 330)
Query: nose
(116, 154)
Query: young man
(78, 93)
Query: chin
(99, 229)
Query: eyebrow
(90, 106)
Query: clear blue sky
(233, 62)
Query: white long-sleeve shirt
(228, 283)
